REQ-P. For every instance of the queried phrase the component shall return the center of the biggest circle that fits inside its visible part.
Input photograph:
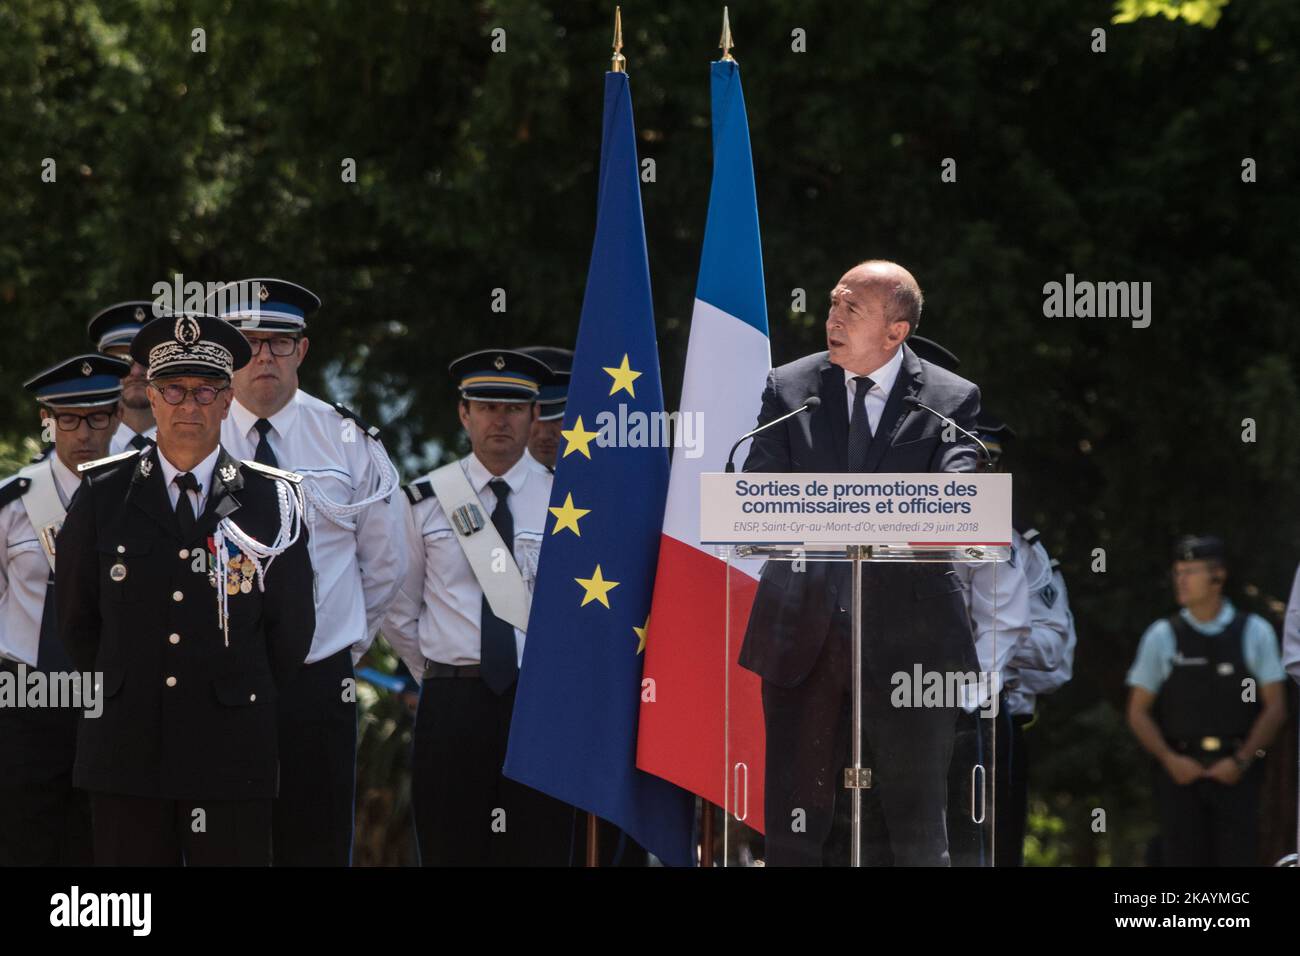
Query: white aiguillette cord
(292, 507)
(344, 514)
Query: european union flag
(575, 721)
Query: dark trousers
(986, 812)
(1013, 797)
(44, 820)
(148, 831)
(1206, 823)
(808, 746)
(467, 813)
(312, 818)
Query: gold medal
(232, 588)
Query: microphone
(912, 400)
(810, 403)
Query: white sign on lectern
(906, 510)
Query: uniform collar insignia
(146, 467)
(227, 473)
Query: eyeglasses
(281, 345)
(71, 421)
(174, 394)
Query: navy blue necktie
(51, 656)
(860, 425)
(263, 454)
(498, 663)
(184, 507)
(138, 442)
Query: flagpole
(725, 44)
(593, 840)
(617, 64)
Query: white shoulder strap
(505, 589)
(44, 506)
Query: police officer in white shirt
(44, 820)
(357, 521)
(997, 602)
(111, 331)
(476, 528)
(544, 438)
(1041, 662)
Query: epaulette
(14, 489)
(346, 412)
(1055, 564)
(1030, 535)
(418, 491)
(273, 472)
(42, 454)
(86, 466)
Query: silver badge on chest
(117, 572)
(468, 519)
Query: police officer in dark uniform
(184, 582)
(1206, 698)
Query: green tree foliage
(476, 171)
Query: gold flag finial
(618, 63)
(725, 43)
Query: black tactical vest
(1203, 695)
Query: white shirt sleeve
(1051, 630)
(381, 556)
(401, 624)
(1052, 640)
(1291, 631)
(997, 597)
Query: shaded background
(476, 171)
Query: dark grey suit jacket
(913, 613)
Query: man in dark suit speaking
(798, 639)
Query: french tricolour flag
(704, 729)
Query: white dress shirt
(24, 571)
(438, 614)
(882, 383)
(997, 602)
(202, 471)
(357, 570)
(1044, 660)
(121, 440)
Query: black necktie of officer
(263, 454)
(184, 507)
(859, 424)
(497, 661)
(51, 656)
(138, 442)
